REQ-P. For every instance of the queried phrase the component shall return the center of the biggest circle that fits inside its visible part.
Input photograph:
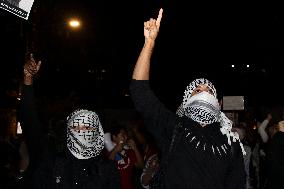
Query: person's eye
(197, 90)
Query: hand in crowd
(269, 116)
(154, 163)
(150, 169)
(131, 143)
(119, 147)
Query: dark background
(96, 61)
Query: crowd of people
(197, 146)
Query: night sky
(195, 40)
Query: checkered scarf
(88, 141)
(204, 109)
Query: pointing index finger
(38, 65)
(158, 21)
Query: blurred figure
(272, 130)
(262, 128)
(150, 169)
(80, 164)
(9, 157)
(247, 157)
(275, 157)
(126, 155)
(150, 151)
(264, 138)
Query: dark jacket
(50, 169)
(275, 157)
(202, 158)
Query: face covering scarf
(85, 135)
(204, 109)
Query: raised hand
(269, 116)
(131, 143)
(31, 68)
(151, 30)
(152, 26)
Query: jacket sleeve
(236, 176)
(31, 126)
(262, 130)
(158, 119)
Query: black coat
(201, 158)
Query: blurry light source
(247, 65)
(233, 65)
(19, 128)
(91, 71)
(74, 23)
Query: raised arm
(139, 159)
(158, 119)
(262, 128)
(29, 119)
(151, 30)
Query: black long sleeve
(159, 120)
(31, 126)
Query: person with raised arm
(81, 163)
(199, 149)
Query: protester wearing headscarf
(85, 135)
(204, 108)
(81, 164)
(204, 152)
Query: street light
(74, 23)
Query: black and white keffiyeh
(191, 103)
(85, 135)
(204, 108)
(195, 83)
